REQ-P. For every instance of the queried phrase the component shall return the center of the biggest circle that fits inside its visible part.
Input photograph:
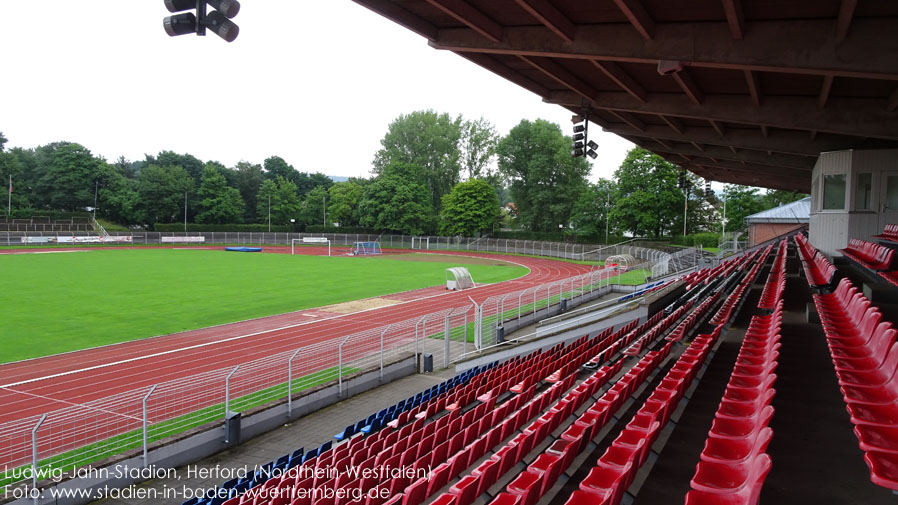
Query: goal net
(365, 248)
(310, 240)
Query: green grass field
(59, 302)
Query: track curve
(36, 386)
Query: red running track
(41, 385)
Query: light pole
(269, 214)
(185, 212)
(324, 210)
(96, 190)
(607, 215)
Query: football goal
(310, 240)
(365, 248)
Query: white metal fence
(81, 434)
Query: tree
(392, 203)
(248, 177)
(275, 167)
(545, 180)
(267, 195)
(191, 164)
(741, 202)
(478, 148)
(343, 202)
(313, 208)
(470, 207)
(161, 192)
(68, 175)
(11, 170)
(590, 213)
(219, 202)
(428, 141)
(776, 197)
(647, 200)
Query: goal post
(365, 248)
(310, 240)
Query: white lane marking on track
(70, 403)
(206, 344)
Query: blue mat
(244, 249)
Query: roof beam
(402, 17)
(892, 104)
(489, 63)
(823, 97)
(735, 18)
(684, 79)
(843, 22)
(710, 171)
(552, 18)
(629, 119)
(792, 162)
(790, 46)
(620, 77)
(849, 116)
(469, 15)
(638, 16)
(754, 86)
(698, 146)
(563, 76)
(751, 169)
(673, 122)
(718, 127)
(764, 132)
(780, 141)
(663, 143)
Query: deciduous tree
(470, 207)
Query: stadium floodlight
(218, 20)
(592, 154)
(581, 142)
(579, 128)
(579, 136)
(592, 145)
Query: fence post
(446, 338)
(290, 384)
(478, 326)
(34, 455)
(382, 350)
(519, 306)
(464, 349)
(146, 398)
(228, 391)
(340, 366)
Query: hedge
(698, 239)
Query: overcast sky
(316, 83)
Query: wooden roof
(764, 85)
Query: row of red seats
(870, 255)
(615, 470)
(776, 280)
(818, 270)
(889, 233)
(865, 357)
(530, 485)
(692, 319)
(725, 312)
(733, 463)
(379, 447)
(487, 473)
(640, 340)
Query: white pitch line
(70, 403)
(206, 344)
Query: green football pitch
(52, 303)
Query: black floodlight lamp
(579, 128)
(222, 26)
(579, 136)
(592, 145)
(577, 152)
(592, 154)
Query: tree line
(434, 174)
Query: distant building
(770, 223)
